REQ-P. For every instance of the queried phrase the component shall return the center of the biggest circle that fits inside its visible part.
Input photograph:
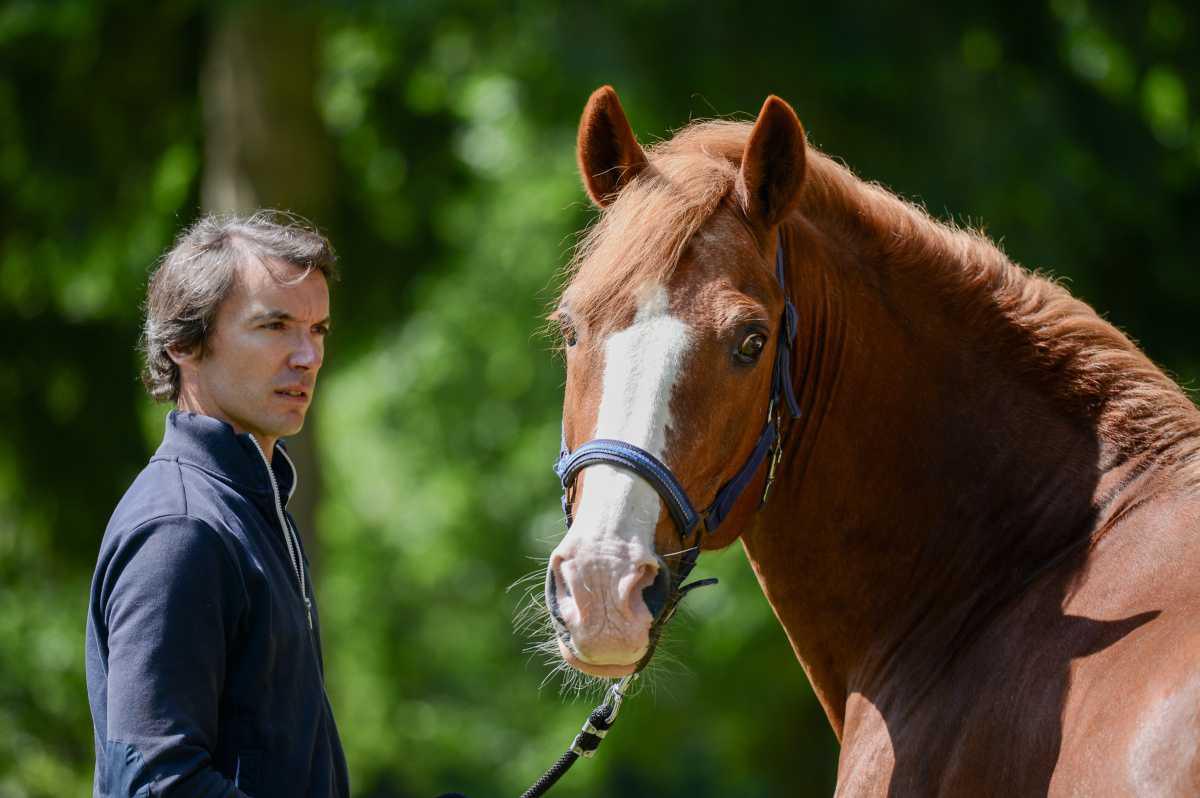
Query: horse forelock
(640, 238)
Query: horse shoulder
(1138, 731)
(1163, 756)
(1133, 714)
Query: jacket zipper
(289, 534)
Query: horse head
(671, 323)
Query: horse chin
(602, 671)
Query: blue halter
(687, 520)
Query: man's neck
(190, 402)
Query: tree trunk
(265, 146)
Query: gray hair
(192, 279)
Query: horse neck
(952, 449)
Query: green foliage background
(1067, 129)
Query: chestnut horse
(984, 538)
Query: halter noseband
(687, 520)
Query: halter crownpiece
(660, 477)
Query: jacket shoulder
(163, 556)
(167, 494)
(157, 491)
(168, 498)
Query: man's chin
(292, 429)
(281, 425)
(290, 422)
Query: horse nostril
(555, 578)
(656, 594)
(552, 596)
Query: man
(204, 661)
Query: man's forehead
(272, 272)
(281, 286)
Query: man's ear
(772, 164)
(609, 154)
(182, 357)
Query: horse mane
(1045, 332)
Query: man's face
(259, 368)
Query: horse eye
(751, 347)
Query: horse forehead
(721, 277)
(654, 323)
(722, 230)
(636, 311)
(642, 362)
(725, 244)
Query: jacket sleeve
(172, 599)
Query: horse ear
(609, 155)
(772, 164)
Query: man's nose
(307, 354)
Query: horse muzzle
(602, 608)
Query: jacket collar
(212, 445)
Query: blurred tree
(98, 153)
(267, 147)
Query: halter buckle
(568, 503)
(775, 455)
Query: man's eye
(321, 330)
(273, 325)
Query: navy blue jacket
(204, 675)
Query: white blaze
(641, 365)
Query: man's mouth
(295, 394)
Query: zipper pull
(308, 611)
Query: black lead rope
(588, 740)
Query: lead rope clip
(585, 747)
